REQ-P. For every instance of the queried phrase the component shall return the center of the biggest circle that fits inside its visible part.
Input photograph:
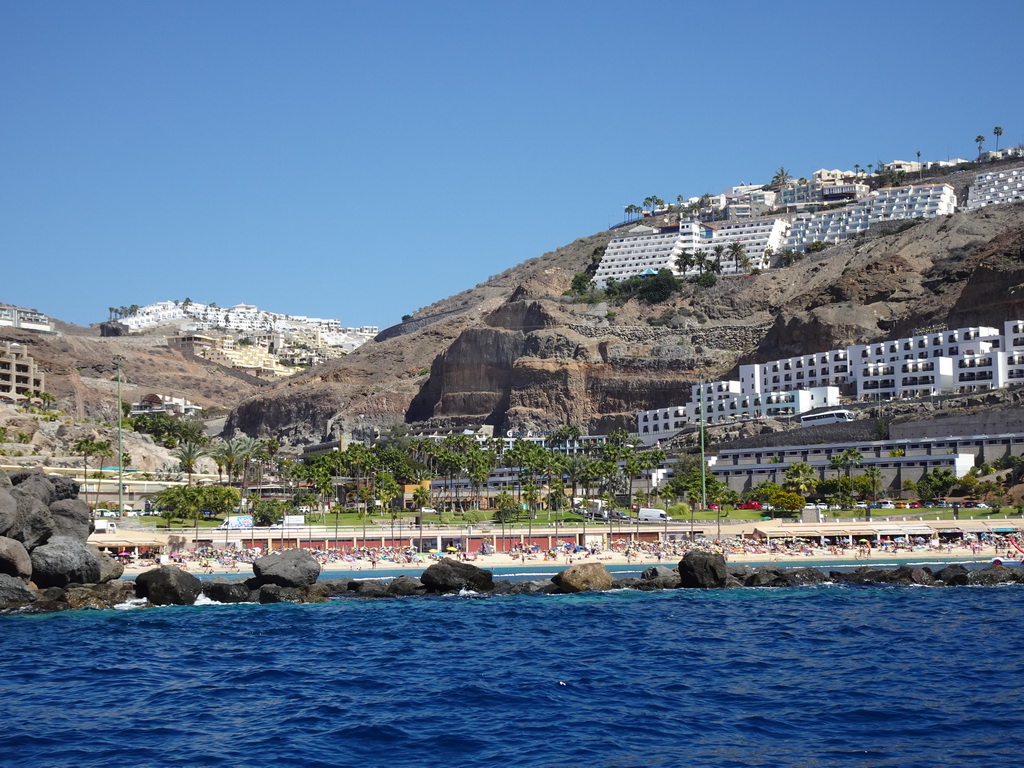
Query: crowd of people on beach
(234, 560)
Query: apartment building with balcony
(996, 188)
(20, 378)
(639, 249)
(25, 319)
(886, 204)
(820, 369)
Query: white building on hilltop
(645, 248)
(956, 361)
(886, 204)
(995, 188)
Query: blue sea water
(817, 676)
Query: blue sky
(362, 160)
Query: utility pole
(120, 451)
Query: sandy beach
(814, 558)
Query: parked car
(749, 505)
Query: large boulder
(111, 569)
(8, 511)
(64, 487)
(449, 575)
(275, 593)
(71, 517)
(34, 523)
(62, 561)
(658, 572)
(953, 575)
(34, 484)
(14, 591)
(405, 586)
(5, 479)
(14, 559)
(291, 568)
(993, 575)
(368, 588)
(702, 570)
(583, 577)
(535, 587)
(767, 576)
(223, 591)
(168, 585)
(99, 596)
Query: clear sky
(362, 160)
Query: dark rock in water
(804, 576)
(908, 575)
(54, 593)
(291, 568)
(336, 587)
(83, 597)
(658, 572)
(449, 575)
(223, 591)
(168, 585)
(114, 593)
(702, 570)
(314, 593)
(275, 593)
(62, 561)
(739, 572)
(583, 577)
(111, 569)
(534, 587)
(953, 575)
(71, 517)
(14, 591)
(34, 524)
(368, 588)
(14, 559)
(632, 582)
(404, 586)
(48, 606)
(993, 575)
(767, 576)
(34, 483)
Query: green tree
(781, 178)
(997, 132)
(980, 141)
(800, 478)
(189, 454)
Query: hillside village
(730, 236)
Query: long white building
(645, 248)
(958, 361)
(995, 188)
(886, 204)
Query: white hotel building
(887, 204)
(960, 361)
(645, 248)
(996, 188)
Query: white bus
(826, 417)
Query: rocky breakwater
(45, 562)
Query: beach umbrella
(862, 541)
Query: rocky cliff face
(514, 353)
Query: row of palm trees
(711, 261)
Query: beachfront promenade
(786, 542)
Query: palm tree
(684, 261)
(86, 447)
(997, 132)
(800, 478)
(189, 455)
(780, 179)
(980, 141)
(737, 251)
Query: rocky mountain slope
(513, 352)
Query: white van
(648, 515)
